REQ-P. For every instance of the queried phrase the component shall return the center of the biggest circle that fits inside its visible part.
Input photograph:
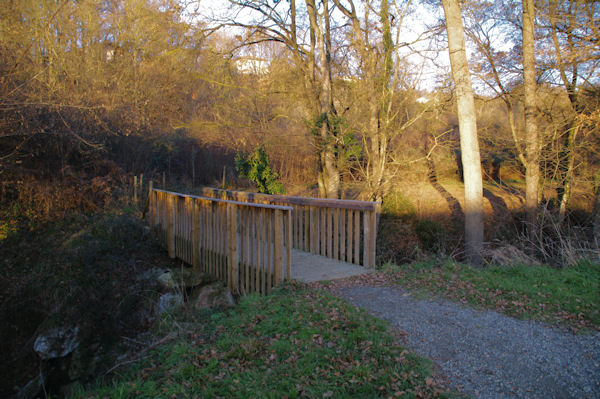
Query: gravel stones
(485, 353)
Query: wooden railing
(246, 245)
(340, 229)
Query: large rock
(56, 342)
(188, 277)
(210, 296)
(169, 301)
(32, 389)
(185, 277)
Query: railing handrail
(246, 245)
(239, 203)
(320, 202)
(327, 227)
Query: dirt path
(487, 354)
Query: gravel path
(487, 354)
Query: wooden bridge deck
(308, 268)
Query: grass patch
(569, 295)
(293, 343)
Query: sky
(430, 67)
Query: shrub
(431, 235)
(396, 204)
(256, 168)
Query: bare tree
(468, 132)
(532, 166)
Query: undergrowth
(80, 271)
(293, 343)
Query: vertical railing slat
(288, 246)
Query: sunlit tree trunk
(329, 179)
(467, 124)
(532, 171)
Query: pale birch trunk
(329, 179)
(467, 124)
(532, 166)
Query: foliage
(567, 295)
(431, 235)
(397, 204)
(256, 168)
(292, 343)
(343, 140)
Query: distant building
(252, 65)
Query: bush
(431, 235)
(396, 204)
(256, 168)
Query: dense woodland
(347, 99)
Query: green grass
(569, 295)
(292, 343)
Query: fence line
(345, 230)
(245, 245)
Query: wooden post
(288, 248)
(369, 234)
(342, 235)
(357, 237)
(350, 236)
(278, 252)
(232, 250)
(151, 202)
(141, 188)
(314, 230)
(373, 238)
(307, 240)
(336, 234)
(170, 225)
(195, 234)
(366, 240)
(135, 201)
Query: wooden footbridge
(253, 242)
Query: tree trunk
(329, 183)
(467, 124)
(532, 171)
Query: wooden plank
(350, 236)
(288, 248)
(135, 190)
(278, 247)
(263, 251)
(357, 237)
(306, 214)
(342, 235)
(329, 215)
(252, 239)
(241, 203)
(269, 268)
(366, 239)
(232, 253)
(291, 200)
(373, 239)
(170, 226)
(151, 204)
(246, 249)
(314, 230)
(323, 230)
(336, 233)
(196, 235)
(212, 240)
